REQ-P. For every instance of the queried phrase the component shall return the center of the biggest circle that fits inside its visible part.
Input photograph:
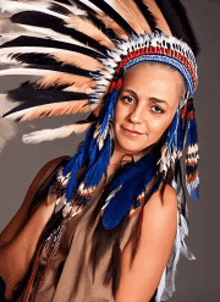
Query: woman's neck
(120, 157)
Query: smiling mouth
(131, 132)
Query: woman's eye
(157, 109)
(128, 99)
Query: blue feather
(95, 172)
(133, 181)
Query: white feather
(25, 71)
(91, 5)
(7, 53)
(51, 134)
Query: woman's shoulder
(160, 213)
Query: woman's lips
(131, 132)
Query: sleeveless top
(69, 276)
(78, 272)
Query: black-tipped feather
(106, 8)
(92, 16)
(57, 8)
(63, 1)
(32, 97)
(147, 14)
(175, 22)
(182, 14)
(40, 42)
(48, 62)
(43, 20)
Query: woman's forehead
(155, 78)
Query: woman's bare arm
(19, 239)
(20, 218)
(139, 282)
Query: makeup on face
(146, 106)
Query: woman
(104, 225)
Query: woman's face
(146, 106)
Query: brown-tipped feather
(65, 108)
(77, 83)
(160, 20)
(192, 177)
(131, 13)
(80, 60)
(110, 23)
(89, 29)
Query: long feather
(28, 41)
(56, 24)
(13, 56)
(110, 23)
(130, 12)
(146, 14)
(31, 97)
(51, 134)
(49, 110)
(73, 83)
(158, 16)
(16, 7)
(79, 60)
(88, 28)
(57, 109)
(102, 20)
(174, 19)
(112, 13)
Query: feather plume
(174, 18)
(130, 12)
(16, 7)
(107, 9)
(51, 134)
(110, 23)
(79, 60)
(158, 16)
(73, 82)
(88, 28)
(50, 110)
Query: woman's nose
(137, 114)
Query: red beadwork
(125, 60)
(119, 84)
(157, 49)
(183, 113)
(117, 69)
(190, 115)
(150, 50)
(112, 87)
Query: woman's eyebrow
(130, 91)
(153, 99)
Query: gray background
(196, 281)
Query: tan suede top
(69, 276)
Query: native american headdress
(80, 50)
